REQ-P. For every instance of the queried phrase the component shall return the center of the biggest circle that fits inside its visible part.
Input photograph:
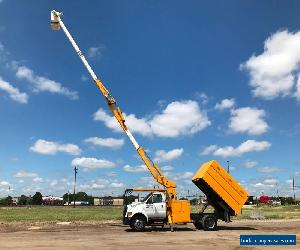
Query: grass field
(99, 214)
(56, 214)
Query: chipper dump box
(223, 192)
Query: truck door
(159, 206)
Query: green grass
(280, 212)
(57, 214)
(100, 214)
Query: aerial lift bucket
(223, 192)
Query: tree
(22, 200)
(37, 199)
(6, 201)
(81, 196)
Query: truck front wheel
(209, 222)
(138, 223)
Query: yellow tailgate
(228, 189)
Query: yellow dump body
(222, 191)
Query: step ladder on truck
(161, 206)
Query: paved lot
(117, 236)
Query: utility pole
(75, 177)
(228, 167)
(294, 190)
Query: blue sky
(196, 80)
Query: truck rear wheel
(138, 223)
(209, 222)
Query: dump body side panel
(180, 211)
(223, 192)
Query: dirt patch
(118, 236)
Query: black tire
(209, 222)
(138, 223)
(198, 224)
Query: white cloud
(273, 73)
(51, 148)
(250, 164)
(4, 183)
(245, 147)
(105, 142)
(268, 169)
(137, 125)
(225, 104)
(94, 52)
(271, 181)
(53, 183)
(44, 84)
(248, 120)
(13, 92)
(209, 149)
(117, 184)
(37, 179)
(136, 169)
(24, 174)
(167, 168)
(92, 163)
(178, 118)
(180, 176)
(84, 78)
(166, 156)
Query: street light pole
(228, 167)
(75, 177)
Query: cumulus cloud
(180, 176)
(92, 163)
(274, 72)
(51, 148)
(105, 142)
(136, 125)
(37, 179)
(13, 92)
(250, 164)
(245, 147)
(209, 149)
(117, 185)
(248, 120)
(225, 104)
(95, 52)
(4, 183)
(166, 156)
(44, 84)
(167, 168)
(178, 118)
(268, 169)
(136, 169)
(25, 174)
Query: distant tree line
(37, 199)
(80, 196)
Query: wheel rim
(138, 224)
(210, 222)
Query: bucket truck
(161, 206)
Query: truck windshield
(146, 198)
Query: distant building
(53, 200)
(108, 201)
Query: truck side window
(157, 198)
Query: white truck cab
(152, 210)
